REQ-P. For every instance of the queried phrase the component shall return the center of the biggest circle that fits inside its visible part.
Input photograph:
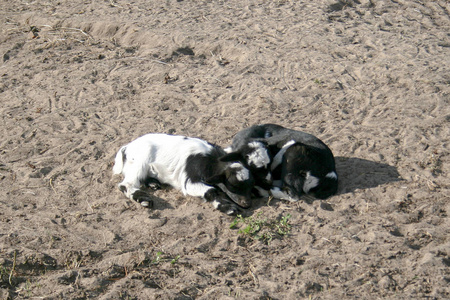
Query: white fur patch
(230, 212)
(277, 193)
(145, 203)
(197, 189)
(310, 182)
(331, 175)
(269, 177)
(242, 174)
(279, 157)
(262, 192)
(216, 204)
(118, 163)
(228, 149)
(259, 157)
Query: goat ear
(233, 156)
(216, 179)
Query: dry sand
(78, 79)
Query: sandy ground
(80, 78)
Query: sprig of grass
(13, 268)
(160, 257)
(6, 274)
(260, 228)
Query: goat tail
(119, 161)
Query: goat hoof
(232, 212)
(154, 186)
(229, 209)
(146, 203)
(143, 198)
(244, 203)
(123, 188)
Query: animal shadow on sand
(354, 173)
(357, 173)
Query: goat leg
(221, 202)
(143, 198)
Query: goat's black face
(304, 172)
(239, 187)
(256, 157)
(240, 182)
(320, 187)
(293, 184)
(237, 182)
(295, 166)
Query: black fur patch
(152, 183)
(200, 167)
(208, 169)
(326, 188)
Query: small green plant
(28, 287)
(157, 259)
(160, 257)
(173, 261)
(253, 225)
(283, 227)
(259, 228)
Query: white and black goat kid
(191, 165)
(300, 162)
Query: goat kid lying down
(300, 163)
(191, 165)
